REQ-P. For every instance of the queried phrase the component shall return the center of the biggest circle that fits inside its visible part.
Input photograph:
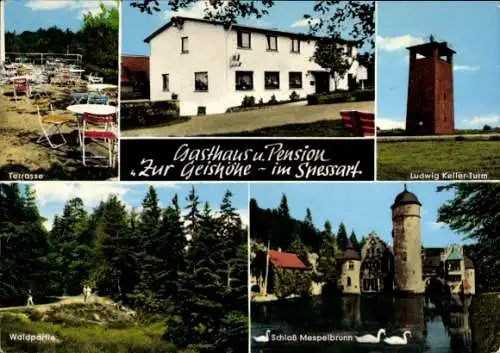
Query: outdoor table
(98, 109)
(99, 87)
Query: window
(403, 256)
(244, 40)
(165, 82)
(351, 265)
(349, 282)
(295, 46)
(184, 45)
(244, 80)
(271, 79)
(295, 79)
(272, 43)
(201, 81)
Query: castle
(406, 267)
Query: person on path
(30, 299)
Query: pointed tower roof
(405, 198)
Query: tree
(71, 244)
(354, 241)
(283, 209)
(328, 229)
(327, 264)
(330, 55)
(342, 237)
(474, 212)
(114, 255)
(330, 16)
(193, 217)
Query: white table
(99, 87)
(97, 109)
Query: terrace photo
(379, 267)
(257, 68)
(59, 81)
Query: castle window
(349, 281)
(351, 265)
(403, 256)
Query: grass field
(324, 128)
(396, 160)
(293, 119)
(84, 329)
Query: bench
(358, 123)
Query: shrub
(459, 138)
(248, 101)
(487, 128)
(494, 138)
(261, 102)
(364, 95)
(273, 100)
(294, 96)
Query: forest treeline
(96, 41)
(186, 267)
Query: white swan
(498, 351)
(397, 339)
(370, 338)
(262, 338)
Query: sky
(136, 26)
(363, 207)
(473, 30)
(30, 15)
(51, 197)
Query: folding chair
(21, 85)
(106, 136)
(51, 125)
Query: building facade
(211, 67)
(376, 265)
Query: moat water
(433, 329)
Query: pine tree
(192, 218)
(202, 289)
(283, 209)
(71, 245)
(342, 237)
(114, 259)
(354, 241)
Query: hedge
(140, 114)
(341, 97)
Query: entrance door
(322, 82)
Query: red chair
(358, 123)
(348, 120)
(21, 86)
(101, 130)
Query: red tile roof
(133, 63)
(285, 260)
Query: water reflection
(436, 329)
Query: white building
(212, 66)
(2, 31)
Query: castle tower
(430, 90)
(407, 243)
(350, 270)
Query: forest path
(64, 300)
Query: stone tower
(350, 270)
(407, 243)
(430, 90)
